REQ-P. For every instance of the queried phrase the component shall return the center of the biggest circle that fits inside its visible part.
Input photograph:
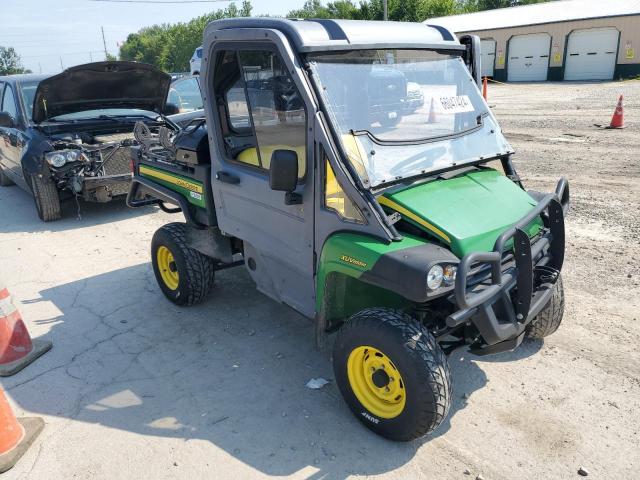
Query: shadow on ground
(231, 371)
(24, 217)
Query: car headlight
(59, 158)
(435, 277)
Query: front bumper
(104, 188)
(502, 291)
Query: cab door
(258, 108)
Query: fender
(33, 157)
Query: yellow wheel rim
(168, 268)
(376, 382)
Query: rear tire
(4, 180)
(392, 373)
(184, 275)
(46, 197)
(550, 318)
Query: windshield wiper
(120, 118)
(418, 141)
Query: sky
(48, 33)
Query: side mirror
(171, 109)
(6, 120)
(283, 174)
(473, 56)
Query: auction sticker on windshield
(459, 104)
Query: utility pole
(40, 67)
(91, 57)
(385, 10)
(61, 66)
(104, 42)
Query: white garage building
(559, 40)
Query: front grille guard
(529, 280)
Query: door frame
(301, 297)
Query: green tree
(10, 62)
(170, 46)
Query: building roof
(539, 13)
(323, 35)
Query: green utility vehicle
(404, 231)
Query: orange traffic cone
(16, 435)
(432, 112)
(617, 121)
(17, 350)
(484, 88)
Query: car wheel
(185, 275)
(46, 197)
(387, 122)
(550, 318)
(4, 180)
(392, 373)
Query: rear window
(199, 52)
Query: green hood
(467, 212)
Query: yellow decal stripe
(420, 221)
(171, 179)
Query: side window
(275, 105)
(9, 103)
(186, 95)
(337, 200)
(233, 109)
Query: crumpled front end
(96, 168)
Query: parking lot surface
(136, 387)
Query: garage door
(488, 54)
(591, 54)
(529, 58)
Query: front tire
(4, 180)
(550, 317)
(46, 198)
(184, 275)
(392, 373)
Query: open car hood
(101, 85)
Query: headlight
(58, 158)
(435, 277)
(449, 274)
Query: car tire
(46, 198)
(392, 373)
(387, 122)
(184, 275)
(4, 180)
(550, 317)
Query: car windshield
(28, 91)
(401, 113)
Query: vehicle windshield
(401, 113)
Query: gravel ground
(138, 388)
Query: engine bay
(96, 167)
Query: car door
(259, 109)
(11, 140)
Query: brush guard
(521, 280)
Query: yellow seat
(250, 156)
